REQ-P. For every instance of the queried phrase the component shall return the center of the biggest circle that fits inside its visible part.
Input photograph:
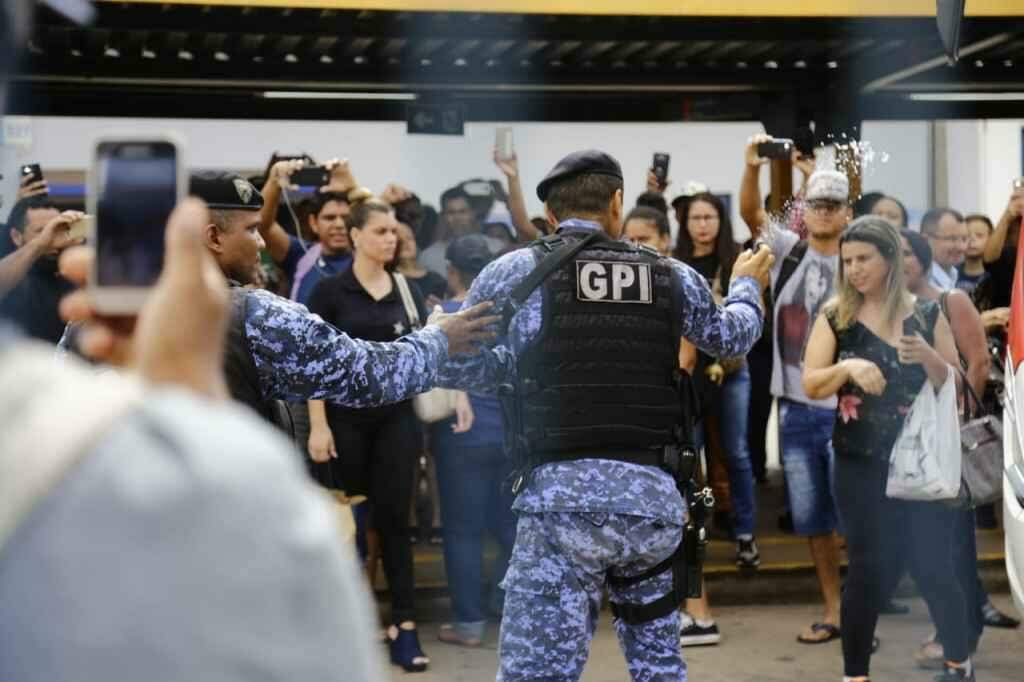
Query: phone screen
(136, 191)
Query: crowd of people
(862, 310)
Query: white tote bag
(926, 459)
(437, 404)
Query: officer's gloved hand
(756, 264)
(467, 328)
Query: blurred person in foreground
(876, 346)
(598, 498)
(139, 538)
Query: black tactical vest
(602, 377)
(240, 368)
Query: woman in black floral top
(877, 347)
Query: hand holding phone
(31, 173)
(659, 166)
(503, 144)
(134, 185)
(775, 149)
(311, 176)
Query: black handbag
(981, 441)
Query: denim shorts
(808, 460)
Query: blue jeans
(809, 462)
(733, 417)
(475, 497)
(733, 432)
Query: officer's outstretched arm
(494, 364)
(298, 357)
(723, 331)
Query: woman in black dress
(875, 345)
(373, 451)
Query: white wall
(382, 152)
(1001, 148)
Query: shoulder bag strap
(407, 300)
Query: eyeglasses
(706, 218)
(825, 205)
(953, 238)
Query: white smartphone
(503, 143)
(134, 184)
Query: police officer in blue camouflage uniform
(598, 418)
(278, 351)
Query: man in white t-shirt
(802, 281)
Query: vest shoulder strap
(558, 253)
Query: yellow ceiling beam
(701, 8)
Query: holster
(686, 563)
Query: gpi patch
(613, 282)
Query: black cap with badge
(225, 191)
(586, 162)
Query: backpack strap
(789, 266)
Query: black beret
(590, 161)
(225, 191)
(469, 253)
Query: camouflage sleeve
(299, 357)
(495, 364)
(722, 332)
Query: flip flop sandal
(831, 631)
(449, 635)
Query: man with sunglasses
(802, 281)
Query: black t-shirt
(705, 265)
(1001, 272)
(342, 301)
(33, 303)
(430, 284)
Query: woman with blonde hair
(877, 346)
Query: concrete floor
(759, 645)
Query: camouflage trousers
(553, 590)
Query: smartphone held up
(503, 144)
(775, 149)
(134, 184)
(659, 165)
